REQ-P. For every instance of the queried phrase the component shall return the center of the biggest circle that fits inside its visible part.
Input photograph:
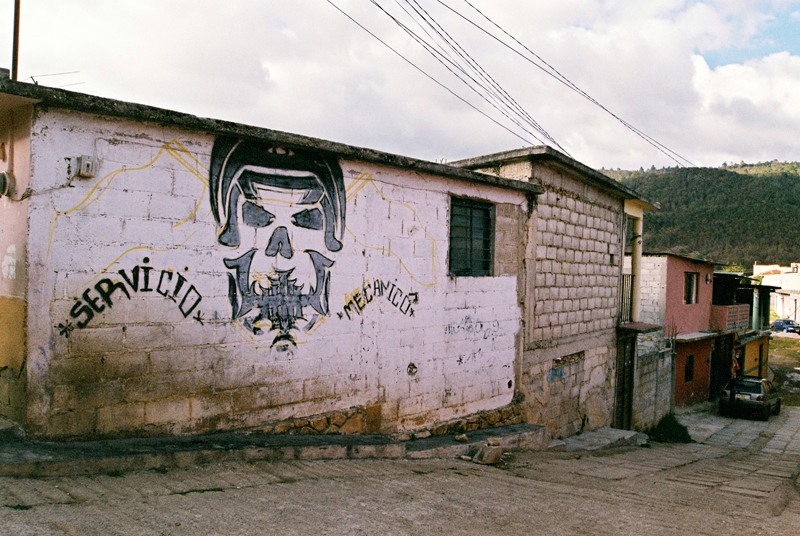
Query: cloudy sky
(714, 81)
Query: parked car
(784, 324)
(750, 394)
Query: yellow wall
(751, 357)
(15, 121)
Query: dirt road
(730, 484)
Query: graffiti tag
(474, 329)
(281, 214)
(142, 278)
(359, 299)
(471, 357)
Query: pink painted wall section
(688, 318)
(693, 389)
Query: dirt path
(784, 362)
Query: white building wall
(653, 369)
(110, 354)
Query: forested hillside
(736, 214)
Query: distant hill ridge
(736, 214)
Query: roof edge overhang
(81, 102)
(543, 154)
(638, 327)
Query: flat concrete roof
(14, 93)
(699, 336)
(544, 154)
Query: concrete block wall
(654, 288)
(654, 381)
(574, 252)
(132, 322)
(578, 262)
(654, 300)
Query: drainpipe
(755, 314)
(636, 269)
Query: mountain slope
(732, 215)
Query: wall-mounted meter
(87, 166)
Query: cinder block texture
(199, 284)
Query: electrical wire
(444, 60)
(456, 95)
(489, 84)
(550, 70)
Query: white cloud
(751, 109)
(302, 67)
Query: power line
(444, 60)
(489, 84)
(550, 70)
(426, 74)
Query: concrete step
(23, 457)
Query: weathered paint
(695, 390)
(137, 324)
(15, 159)
(752, 366)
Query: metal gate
(623, 398)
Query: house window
(690, 288)
(688, 369)
(471, 237)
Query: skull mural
(282, 212)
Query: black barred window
(690, 288)
(471, 233)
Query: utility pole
(15, 53)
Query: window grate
(471, 234)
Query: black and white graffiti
(282, 213)
(143, 278)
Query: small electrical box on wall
(87, 166)
(6, 183)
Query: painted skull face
(283, 224)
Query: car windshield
(745, 387)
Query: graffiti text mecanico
(357, 301)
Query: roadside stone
(282, 427)
(461, 438)
(338, 419)
(440, 430)
(354, 425)
(423, 434)
(319, 424)
(488, 455)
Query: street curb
(25, 458)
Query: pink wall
(681, 317)
(695, 390)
